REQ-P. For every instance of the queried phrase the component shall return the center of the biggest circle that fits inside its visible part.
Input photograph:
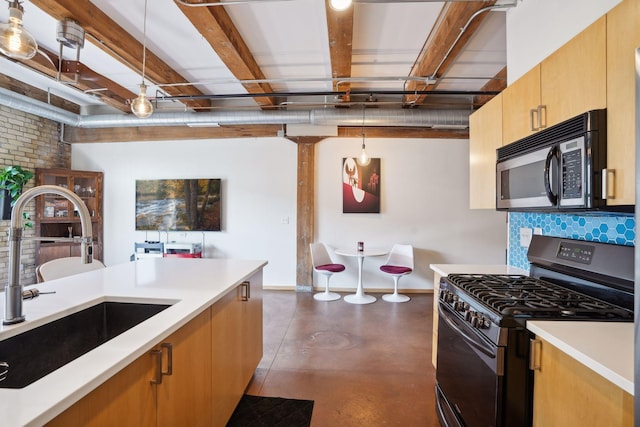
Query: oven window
(467, 377)
(523, 182)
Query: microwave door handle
(553, 198)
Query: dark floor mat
(258, 411)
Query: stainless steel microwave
(557, 169)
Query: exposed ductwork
(329, 116)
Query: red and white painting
(360, 186)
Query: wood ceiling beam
(105, 89)
(215, 25)
(453, 18)
(115, 41)
(340, 28)
(32, 92)
(497, 84)
(168, 133)
(165, 133)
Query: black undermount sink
(35, 353)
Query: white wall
(424, 202)
(537, 28)
(258, 190)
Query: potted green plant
(12, 179)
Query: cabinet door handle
(542, 123)
(169, 348)
(608, 184)
(158, 355)
(246, 291)
(532, 112)
(535, 347)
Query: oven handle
(553, 198)
(480, 346)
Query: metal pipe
(13, 290)
(341, 117)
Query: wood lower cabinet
(485, 136)
(213, 359)
(237, 346)
(623, 37)
(434, 343)
(567, 393)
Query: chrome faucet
(13, 290)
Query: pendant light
(363, 158)
(340, 5)
(15, 41)
(141, 106)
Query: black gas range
(483, 378)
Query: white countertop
(446, 269)
(604, 347)
(191, 285)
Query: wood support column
(305, 215)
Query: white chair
(324, 265)
(399, 263)
(62, 267)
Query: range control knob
(468, 315)
(474, 320)
(458, 306)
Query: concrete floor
(363, 365)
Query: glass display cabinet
(57, 217)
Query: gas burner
(523, 296)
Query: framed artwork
(360, 186)
(178, 204)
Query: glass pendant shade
(15, 41)
(340, 4)
(141, 106)
(363, 158)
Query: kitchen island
(190, 286)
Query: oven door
(528, 181)
(469, 374)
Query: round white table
(360, 297)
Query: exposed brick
(31, 142)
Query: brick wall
(31, 142)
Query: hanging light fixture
(15, 41)
(141, 106)
(363, 158)
(340, 4)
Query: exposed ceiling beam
(17, 86)
(107, 90)
(115, 41)
(451, 32)
(340, 28)
(497, 84)
(402, 132)
(216, 27)
(165, 133)
(77, 135)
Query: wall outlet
(525, 237)
(538, 231)
(284, 220)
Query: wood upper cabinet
(623, 37)
(572, 79)
(567, 393)
(567, 83)
(520, 102)
(485, 136)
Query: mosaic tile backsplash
(606, 228)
